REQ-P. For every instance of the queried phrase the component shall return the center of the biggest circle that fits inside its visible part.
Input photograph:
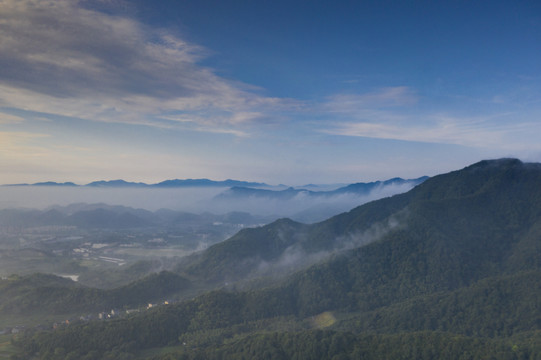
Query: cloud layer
(396, 113)
(79, 77)
(58, 57)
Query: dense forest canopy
(450, 270)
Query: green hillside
(489, 203)
(450, 269)
(37, 294)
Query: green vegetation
(37, 296)
(6, 348)
(449, 270)
(333, 345)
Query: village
(100, 316)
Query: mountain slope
(244, 253)
(468, 221)
(450, 237)
(56, 295)
(453, 255)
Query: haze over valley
(454, 243)
(84, 239)
(220, 179)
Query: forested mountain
(56, 295)
(461, 219)
(450, 269)
(310, 204)
(174, 183)
(239, 192)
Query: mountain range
(238, 192)
(239, 188)
(271, 203)
(164, 184)
(450, 269)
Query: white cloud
(396, 114)
(59, 58)
(441, 133)
(473, 132)
(382, 98)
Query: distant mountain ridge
(360, 188)
(164, 184)
(116, 183)
(47, 183)
(221, 197)
(239, 186)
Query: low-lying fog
(87, 240)
(41, 197)
(302, 207)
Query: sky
(283, 92)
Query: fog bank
(303, 207)
(41, 197)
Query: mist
(152, 199)
(296, 257)
(304, 206)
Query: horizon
(278, 93)
(248, 181)
(244, 183)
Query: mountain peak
(114, 183)
(490, 177)
(500, 163)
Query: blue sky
(287, 92)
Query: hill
(449, 269)
(476, 214)
(57, 295)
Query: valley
(270, 180)
(448, 268)
(46, 242)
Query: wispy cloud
(473, 132)
(60, 58)
(395, 114)
(447, 133)
(380, 105)
(382, 98)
